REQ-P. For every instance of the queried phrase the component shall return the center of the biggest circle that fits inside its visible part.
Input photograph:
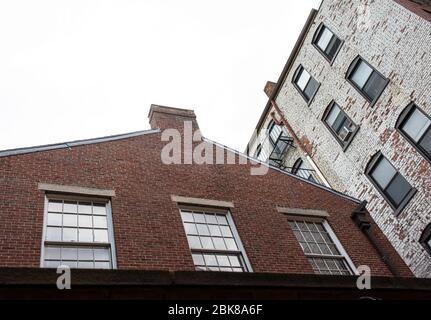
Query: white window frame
(332, 235)
(228, 215)
(65, 197)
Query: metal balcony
(282, 146)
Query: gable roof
(65, 145)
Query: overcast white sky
(83, 69)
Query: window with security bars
(213, 242)
(320, 249)
(77, 235)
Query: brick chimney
(269, 88)
(167, 117)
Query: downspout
(359, 216)
(300, 144)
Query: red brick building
(111, 203)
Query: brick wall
(396, 42)
(148, 230)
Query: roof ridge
(74, 143)
(336, 192)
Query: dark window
(415, 126)
(425, 238)
(258, 151)
(368, 81)
(274, 131)
(339, 124)
(327, 42)
(390, 183)
(299, 169)
(305, 84)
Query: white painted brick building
(392, 39)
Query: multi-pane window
(415, 125)
(274, 132)
(327, 42)
(77, 234)
(368, 81)
(260, 153)
(339, 124)
(319, 247)
(212, 241)
(305, 83)
(390, 183)
(300, 170)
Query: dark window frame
(425, 237)
(352, 69)
(368, 171)
(346, 144)
(316, 38)
(403, 118)
(294, 78)
(270, 127)
(257, 151)
(297, 165)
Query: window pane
(85, 235)
(225, 230)
(199, 217)
(207, 243)
(187, 216)
(223, 261)
(55, 206)
(340, 122)
(100, 222)
(85, 265)
(198, 259)
(100, 236)
(361, 74)
(101, 254)
(54, 219)
(52, 253)
(190, 228)
(85, 221)
(374, 86)
(221, 219)
(85, 254)
(332, 48)
(53, 234)
(324, 38)
(84, 207)
(311, 88)
(70, 264)
(70, 207)
(70, 234)
(230, 244)
(211, 218)
(194, 242)
(234, 261)
(102, 265)
(70, 220)
(69, 254)
(215, 230)
(203, 230)
(52, 264)
(99, 209)
(383, 172)
(303, 79)
(426, 142)
(210, 260)
(219, 243)
(416, 125)
(333, 114)
(398, 189)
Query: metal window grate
(77, 235)
(320, 249)
(212, 240)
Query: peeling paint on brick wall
(396, 42)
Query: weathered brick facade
(395, 41)
(148, 230)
